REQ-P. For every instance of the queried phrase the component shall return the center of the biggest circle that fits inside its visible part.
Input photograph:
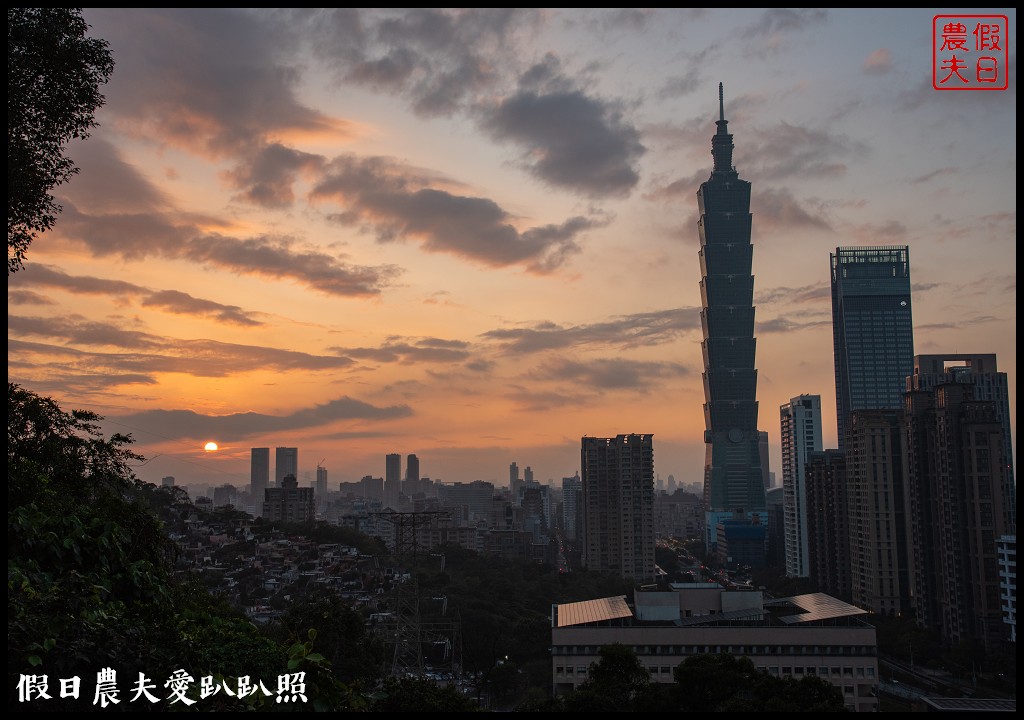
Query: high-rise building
(1007, 548)
(618, 505)
(572, 488)
(528, 476)
(286, 463)
(800, 421)
(392, 480)
(762, 451)
(875, 480)
(259, 475)
(981, 372)
(167, 481)
(288, 502)
(733, 479)
(872, 330)
(954, 490)
(412, 474)
(514, 483)
(321, 485)
(828, 525)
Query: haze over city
(472, 234)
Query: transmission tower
(405, 633)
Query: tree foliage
(54, 74)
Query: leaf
(35, 660)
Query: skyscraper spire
(721, 141)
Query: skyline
(472, 234)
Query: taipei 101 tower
(732, 463)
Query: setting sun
(210, 446)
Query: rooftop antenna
(721, 102)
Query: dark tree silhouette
(54, 73)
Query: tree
(54, 73)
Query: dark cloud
(182, 424)
(776, 208)
(479, 365)
(626, 331)
(934, 174)
(804, 294)
(230, 85)
(782, 325)
(770, 32)
(140, 352)
(610, 373)
(404, 351)
(26, 297)
(441, 60)
(785, 151)
(392, 200)
(570, 140)
(924, 287)
(266, 177)
(957, 324)
(143, 235)
(173, 301)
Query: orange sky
(471, 235)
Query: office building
(733, 478)
(618, 505)
(392, 480)
(259, 475)
(167, 481)
(800, 430)
(872, 330)
(286, 463)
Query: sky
(471, 234)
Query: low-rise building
(814, 634)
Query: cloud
(182, 424)
(140, 236)
(441, 60)
(625, 331)
(141, 225)
(394, 201)
(878, 63)
(26, 297)
(434, 350)
(610, 373)
(776, 208)
(570, 140)
(934, 174)
(804, 294)
(134, 351)
(768, 35)
(173, 301)
(538, 401)
(785, 150)
(783, 324)
(266, 177)
(230, 85)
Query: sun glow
(210, 446)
